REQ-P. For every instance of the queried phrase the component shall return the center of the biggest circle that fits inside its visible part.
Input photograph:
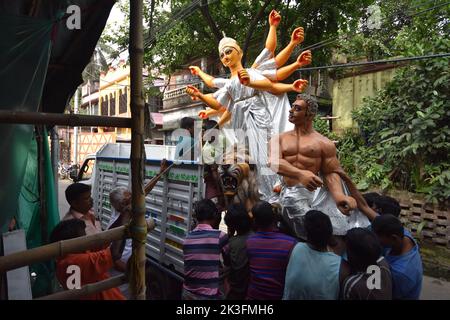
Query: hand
(345, 204)
(298, 35)
(244, 77)
(193, 92)
(277, 188)
(163, 166)
(194, 70)
(299, 85)
(310, 180)
(304, 58)
(205, 114)
(274, 18)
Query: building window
(104, 106)
(123, 102)
(112, 105)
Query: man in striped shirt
(202, 249)
(268, 254)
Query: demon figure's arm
(330, 164)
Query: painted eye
(228, 51)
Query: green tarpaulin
(24, 55)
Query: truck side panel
(169, 203)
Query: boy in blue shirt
(402, 254)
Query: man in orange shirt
(78, 195)
(94, 265)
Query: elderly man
(307, 162)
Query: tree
(192, 29)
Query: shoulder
(328, 146)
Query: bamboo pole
(73, 120)
(88, 289)
(138, 227)
(61, 248)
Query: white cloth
(126, 254)
(259, 114)
(297, 201)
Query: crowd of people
(259, 262)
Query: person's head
(372, 199)
(209, 130)
(303, 109)
(68, 229)
(78, 195)
(188, 123)
(319, 230)
(230, 52)
(363, 248)
(206, 212)
(389, 230)
(238, 219)
(388, 205)
(263, 215)
(120, 199)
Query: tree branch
(252, 28)
(211, 23)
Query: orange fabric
(94, 267)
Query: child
(202, 249)
(238, 219)
(268, 253)
(93, 265)
(403, 256)
(313, 271)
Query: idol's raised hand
(274, 18)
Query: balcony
(177, 97)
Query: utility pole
(138, 227)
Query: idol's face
(298, 112)
(230, 56)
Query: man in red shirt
(93, 265)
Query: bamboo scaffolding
(61, 248)
(72, 120)
(138, 228)
(88, 289)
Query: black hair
(388, 205)
(187, 123)
(387, 225)
(311, 102)
(363, 248)
(210, 124)
(75, 190)
(371, 198)
(68, 229)
(205, 210)
(318, 228)
(238, 219)
(263, 214)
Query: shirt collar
(203, 226)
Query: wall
(349, 92)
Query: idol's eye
(228, 51)
(222, 55)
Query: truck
(170, 204)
